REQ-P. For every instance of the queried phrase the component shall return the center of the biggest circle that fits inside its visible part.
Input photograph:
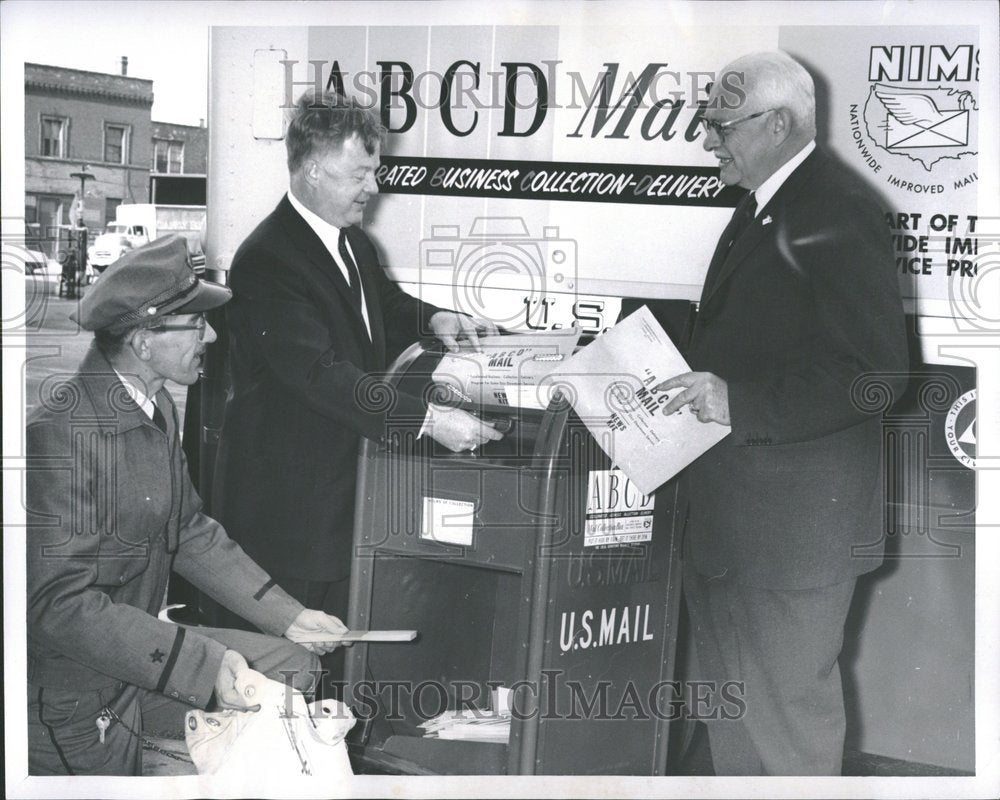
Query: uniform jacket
(110, 511)
(304, 391)
(803, 319)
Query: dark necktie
(158, 418)
(352, 270)
(746, 214)
(743, 215)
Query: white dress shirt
(330, 236)
(769, 188)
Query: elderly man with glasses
(111, 510)
(800, 311)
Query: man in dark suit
(800, 309)
(312, 316)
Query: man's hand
(705, 393)
(450, 326)
(310, 624)
(457, 429)
(235, 685)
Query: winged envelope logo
(914, 119)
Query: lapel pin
(766, 220)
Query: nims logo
(920, 110)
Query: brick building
(77, 118)
(74, 117)
(180, 164)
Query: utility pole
(74, 279)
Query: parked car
(108, 248)
(35, 259)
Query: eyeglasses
(200, 324)
(721, 128)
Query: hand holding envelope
(705, 394)
(614, 385)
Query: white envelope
(953, 131)
(611, 385)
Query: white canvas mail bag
(287, 737)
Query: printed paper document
(509, 369)
(611, 385)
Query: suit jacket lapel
(722, 250)
(741, 248)
(312, 248)
(725, 263)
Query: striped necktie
(352, 270)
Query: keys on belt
(103, 723)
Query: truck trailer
(136, 224)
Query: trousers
(778, 650)
(63, 736)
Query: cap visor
(209, 295)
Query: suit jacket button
(121, 579)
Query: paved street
(56, 345)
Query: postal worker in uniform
(111, 511)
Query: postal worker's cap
(147, 283)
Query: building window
(48, 214)
(168, 156)
(54, 137)
(111, 208)
(116, 144)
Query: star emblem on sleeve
(157, 656)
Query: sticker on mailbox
(617, 512)
(448, 521)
